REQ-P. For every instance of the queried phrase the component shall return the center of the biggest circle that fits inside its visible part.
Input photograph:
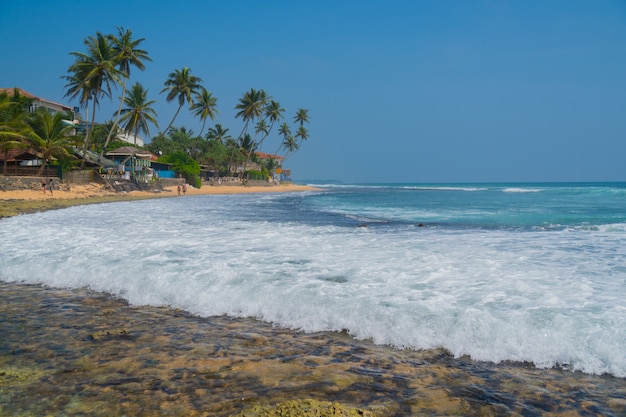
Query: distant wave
(521, 190)
(399, 187)
(443, 188)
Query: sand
(14, 202)
(97, 190)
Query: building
(38, 102)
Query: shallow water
(82, 353)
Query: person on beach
(178, 188)
(50, 185)
(185, 189)
(43, 185)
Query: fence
(18, 171)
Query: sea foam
(547, 297)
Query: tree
(185, 165)
(127, 54)
(181, 85)
(301, 117)
(302, 133)
(13, 128)
(204, 106)
(50, 135)
(92, 75)
(218, 133)
(251, 106)
(138, 113)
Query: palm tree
(285, 131)
(301, 117)
(13, 129)
(272, 112)
(92, 75)
(204, 106)
(138, 112)
(181, 85)
(218, 133)
(290, 145)
(251, 106)
(302, 133)
(127, 55)
(50, 135)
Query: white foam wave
(546, 297)
(521, 190)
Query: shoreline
(16, 202)
(80, 352)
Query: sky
(397, 90)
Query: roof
(13, 155)
(94, 158)
(132, 151)
(264, 155)
(26, 94)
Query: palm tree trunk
(174, 118)
(87, 136)
(117, 119)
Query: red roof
(264, 155)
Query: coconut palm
(92, 75)
(127, 55)
(301, 117)
(272, 112)
(302, 133)
(285, 131)
(218, 133)
(181, 85)
(138, 112)
(13, 129)
(50, 135)
(290, 145)
(204, 106)
(251, 106)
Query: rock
(305, 408)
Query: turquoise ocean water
(498, 272)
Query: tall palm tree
(127, 54)
(204, 106)
(50, 135)
(92, 75)
(301, 117)
(218, 133)
(302, 133)
(272, 112)
(181, 85)
(251, 106)
(138, 112)
(285, 131)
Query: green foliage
(257, 175)
(184, 164)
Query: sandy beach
(14, 202)
(97, 190)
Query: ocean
(531, 273)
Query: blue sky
(397, 91)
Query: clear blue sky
(397, 91)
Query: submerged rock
(305, 408)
